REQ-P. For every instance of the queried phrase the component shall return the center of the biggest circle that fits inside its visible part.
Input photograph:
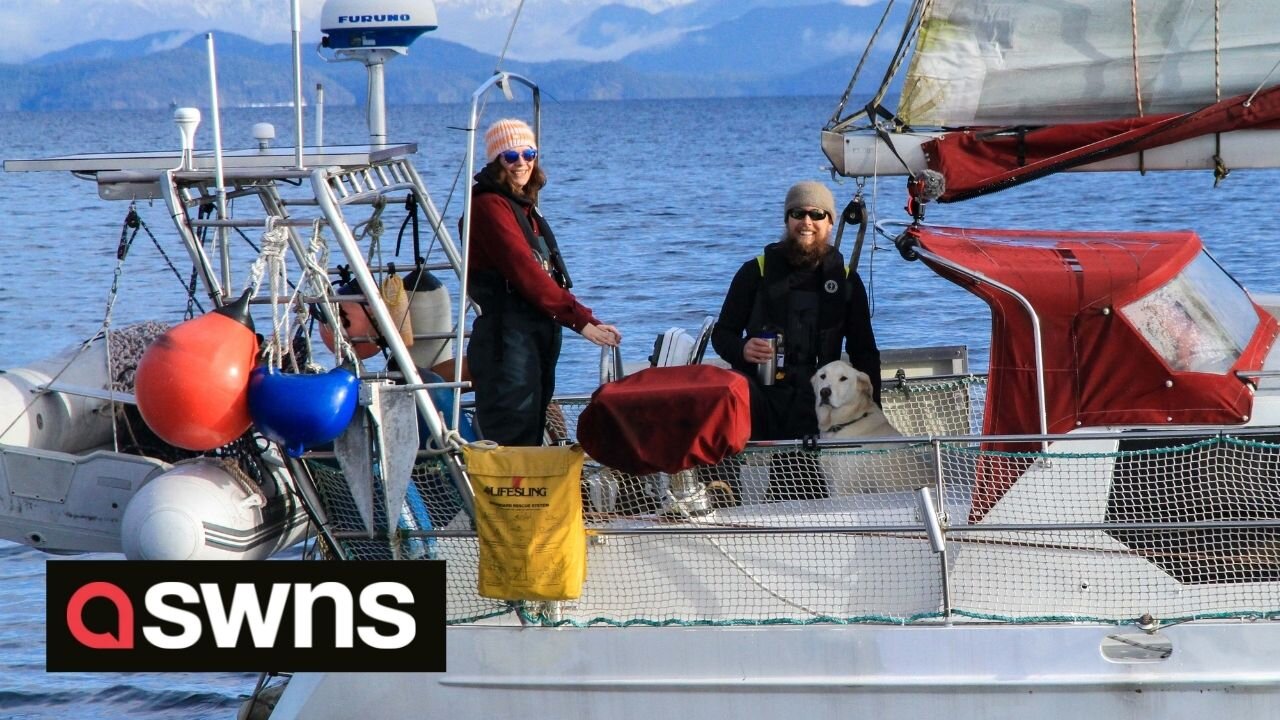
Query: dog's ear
(864, 384)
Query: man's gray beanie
(809, 193)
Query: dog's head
(841, 393)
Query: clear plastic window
(1200, 321)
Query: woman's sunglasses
(511, 156)
(814, 215)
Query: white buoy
(430, 311)
(200, 511)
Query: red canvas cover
(976, 162)
(667, 419)
(1098, 369)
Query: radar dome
(350, 25)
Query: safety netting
(793, 533)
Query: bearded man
(800, 293)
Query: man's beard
(804, 256)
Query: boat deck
(1091, 530)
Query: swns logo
(212, 616)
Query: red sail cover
(667, 419)
(976, 162)
(1098, 368)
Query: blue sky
(34, 27)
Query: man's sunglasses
(511, 156)
(814, 215)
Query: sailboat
(1096, 530)
(1091, 527)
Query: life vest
(807, 307)
(489, 288)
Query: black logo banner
(245, 616)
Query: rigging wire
(1137, 74)
(453, 187)
(497, 68)
(511, 31)
(1217, 50)
(1220, 169)
(914, 23)
(914, 14)
(874, 210)
(1249, 101)
(866, 53)
(132, 221)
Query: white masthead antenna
(373, 32)
(187, 119)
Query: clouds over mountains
(705, 48)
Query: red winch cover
(667, 419)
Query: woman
(518, 279)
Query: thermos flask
(767, 371)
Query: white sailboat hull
(818, 671)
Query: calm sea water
(656, 204)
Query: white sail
(1037, 62)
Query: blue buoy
(301, 411)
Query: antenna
(373, 32)
(187, 119)
(295, 17)
(214, 108)
(264, 133)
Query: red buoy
(356, 322)
(192, 382)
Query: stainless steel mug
(768, 370)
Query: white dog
(846, 409)
(845, 405)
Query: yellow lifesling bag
(533, 545)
